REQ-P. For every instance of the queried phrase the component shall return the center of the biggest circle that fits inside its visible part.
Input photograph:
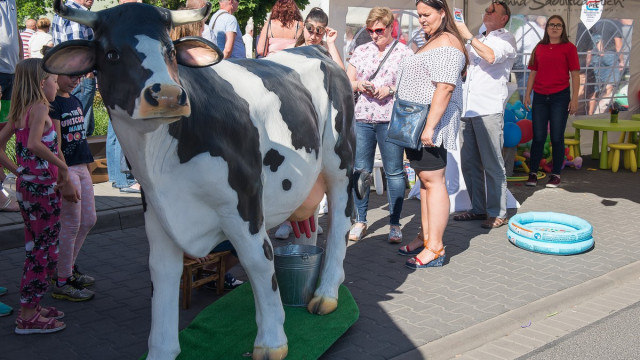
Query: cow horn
(181, 17)
(83, 17)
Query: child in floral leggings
(40, 174)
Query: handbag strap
(266, 37)
(383, 60)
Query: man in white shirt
(226, 31)
(491, 57)
(247, 38)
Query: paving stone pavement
(402, 312)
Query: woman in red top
(553, 61)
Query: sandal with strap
(9, 206)
(494, 222)
(415, 263)
(48, 312)
(36, 326)
(468, 216)
(404, 250)
(358, 232)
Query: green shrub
(100, 116)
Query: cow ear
(194, 51)
(73, 57)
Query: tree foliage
(257, 9)
(32, 9)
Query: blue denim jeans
(549, 111)
(85, 91)
(114, 152)
(367, 136)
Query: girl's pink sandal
(36, 326)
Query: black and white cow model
(222, 152)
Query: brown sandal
(494, 222)
(468, 216)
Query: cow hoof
(262, 353)
(322, 305)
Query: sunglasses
(554, 26)
(318, 30)
(378, 31)
(492, 9)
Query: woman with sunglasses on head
(281, 30)
(553, 61)
(434, 76)
(315, 28)
(374, 76)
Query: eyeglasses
(555, 26)
(318, 30)
(378, 31)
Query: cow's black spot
(149, 98)
(296, 103)
(286, 184)
(337, 85)
(273, 159)
(268, 251)
(274, 282)
(219, 120)
(152, 289)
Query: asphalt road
(613, 337)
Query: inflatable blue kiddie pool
(550, 233)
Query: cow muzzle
(164, 101)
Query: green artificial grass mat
(227, 328)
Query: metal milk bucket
(297, 270)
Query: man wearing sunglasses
(491, 57)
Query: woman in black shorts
(433, 76)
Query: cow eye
(113, 55)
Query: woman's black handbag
(407, 123)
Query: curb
(477, 335)
(107, 220)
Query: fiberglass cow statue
(249, 144)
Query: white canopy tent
(473, 10)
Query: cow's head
(136, 60)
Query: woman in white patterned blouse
(434, 76)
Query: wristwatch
(391, 91)
(468, 42)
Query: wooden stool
(574, 147)
(629, 156)
(194, 275)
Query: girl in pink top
(40, 173)
(281, 30)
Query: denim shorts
(225, 246)
(428, 158)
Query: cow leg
(165, 265)
(256, 256)
(325, 299)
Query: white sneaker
(283, 231)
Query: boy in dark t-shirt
(68, 110)
(77, 218)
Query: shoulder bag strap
(383, 60)
(214, 21)
(266, 38)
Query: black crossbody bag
(356, 94)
